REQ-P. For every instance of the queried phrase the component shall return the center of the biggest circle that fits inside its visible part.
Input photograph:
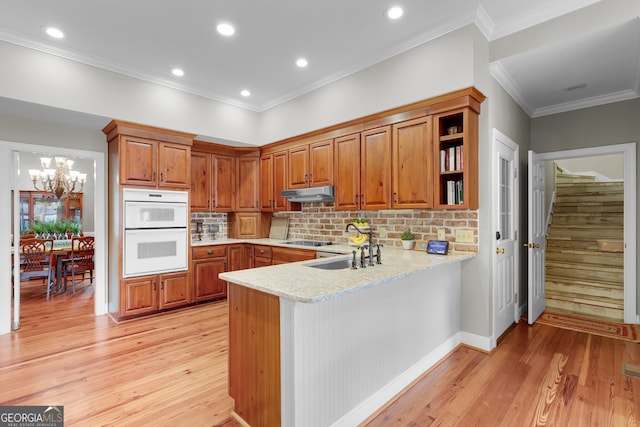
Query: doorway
(629, 154)
(10, 173)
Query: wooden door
(200, 182)
(375, 169)
(174, 290)
(347, 172)
(224, 183)
(207, 285)
(138, 296)
(266, 183)
(280, 168)
(321, 163)
(174, 165)
(412, 180)
(138, 158)
(299, 167)
(247, 171)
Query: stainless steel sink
(332, 265)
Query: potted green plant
(60, 229)
(39, 228)
(408, 240)
(74, 227)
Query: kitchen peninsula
(317, 347)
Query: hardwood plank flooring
(166, 370)
(537, 376)
(171, 370)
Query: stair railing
(553, 200)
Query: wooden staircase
(584, 257)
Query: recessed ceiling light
(54, 32)
(245, 93)
(177, 72)
(301, 62)
(394, 12)
(226, 29)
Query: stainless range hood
(311, 194)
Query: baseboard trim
(476, 341)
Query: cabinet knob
(210, 251)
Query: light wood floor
(171, 370)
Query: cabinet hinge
(515, 172)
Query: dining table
(60, 252)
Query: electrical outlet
(464, 236)
(441, 234)
(382, 233)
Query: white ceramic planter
(408, 244)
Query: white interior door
(505, 215)
(536, 242)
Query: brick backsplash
(209, 218)
(320, 221)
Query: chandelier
(61, 181)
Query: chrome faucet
(369, 234)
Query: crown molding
(586, 103)
(504, 79)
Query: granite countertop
(299, 282)
(338, 248)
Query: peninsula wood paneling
(254, 355)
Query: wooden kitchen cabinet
(143, 156)
(347, 172)
(151, 163)
(456, 159)
(175, 290)
(412, 164)
(311, 165)
(273, 179)
(262, 256)
(207, 263)
(249, 225)
(363, 170)
(149, 294)
(247, 184)
(239, 257)
(212, 182)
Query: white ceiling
(146, 39)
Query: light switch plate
(441, 234)
(464, 236)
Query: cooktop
(307, 243)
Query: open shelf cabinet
(456, 160)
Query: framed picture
(421, 245)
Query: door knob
(500, 251)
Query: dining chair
(80, 261)
(36, 263)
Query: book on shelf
(455, 192)
(451, 159)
